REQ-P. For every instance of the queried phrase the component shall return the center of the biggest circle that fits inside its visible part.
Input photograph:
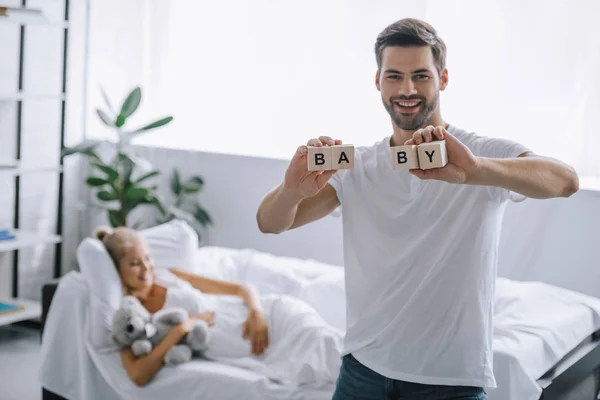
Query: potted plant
(122, 181)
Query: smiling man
(420, 248)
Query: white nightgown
(303, 348)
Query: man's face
(409, 84)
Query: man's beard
(411, 122)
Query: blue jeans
(357, 382)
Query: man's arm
(531, 175)
(281, 211)
(303, 196)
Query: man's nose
(407, 88)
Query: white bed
(535, 326)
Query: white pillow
(173, 244)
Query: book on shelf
(6, 308)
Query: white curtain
(260, 77)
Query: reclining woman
(277, 335)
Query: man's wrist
(289, 195)
(481, 173)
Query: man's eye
(422, 76)
(394, 77)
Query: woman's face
(136, 267)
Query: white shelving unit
(26, 239)
(21, 96)
(22, 169)
(31, 310)
(24, 18)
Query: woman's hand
(256, 329)
(188, 325)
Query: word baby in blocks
(326, 158)
(423, 156)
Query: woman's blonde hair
(116, 241)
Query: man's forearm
(533, 176)
(277, 211)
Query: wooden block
(405, 157)
(432, 154)
(342, 156)
(319, 158)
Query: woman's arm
(141, 370)
(255, 327)
(218, 286)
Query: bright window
(261, 77)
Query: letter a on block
(342, 156)
(405, 157)
(319, 158)
(433, 154)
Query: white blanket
(303, 350)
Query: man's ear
(377, 81)
(444, 79)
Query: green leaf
(191, 189)
(156, 124)
(94, 181)
(193, 185)
(105, 195)
(91, 153)
(182, 214)
(136, 193)
(105, 118)
(110, 107)
(113, 175)
(82, 147)
(131, 103)
(157, 203)
(114, 218)
(196, 180)
(146, 176)
(128, 166)
(202, 216)
(176, 183)
(120, 121)
(130, 204)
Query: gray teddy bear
(134, 326)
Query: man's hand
(298, 179)
(462, 164)
(256, 329)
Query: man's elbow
(571, 184)
(263, 227)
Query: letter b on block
(405, 157)
(319, 158)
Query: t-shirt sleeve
(336, 181)
(499, 148)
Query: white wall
(555, 241)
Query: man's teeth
(408, 104)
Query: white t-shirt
(420, 262)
